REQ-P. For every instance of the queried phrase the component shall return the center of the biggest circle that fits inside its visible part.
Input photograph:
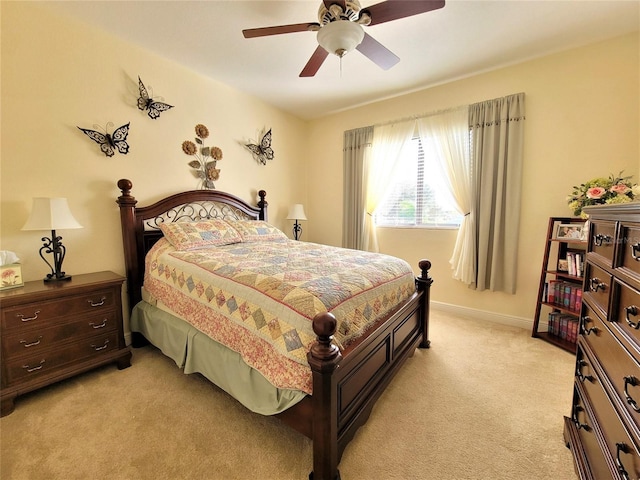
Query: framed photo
(570, 231)
(11, 276)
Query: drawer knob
(595, 284)
(97, 348)
(99, 303)
(579, 374)
(633, 311)
(96, 326)
(30, 369)
(633, 381)
(26, 344)
(576, 421)
(27, 319)
(590, 330)
(621, 447)
(635, 249)
(600, 239)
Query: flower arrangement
(206, 158)
(599, 191)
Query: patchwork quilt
(259, 298)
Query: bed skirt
(195, 352)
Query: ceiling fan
(340, 29)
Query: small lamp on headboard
(296, 212)
(52, 214)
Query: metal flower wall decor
(205, 158)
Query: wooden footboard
(345, 388)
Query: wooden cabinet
(603, 431)
(52, 331)
(560, 290)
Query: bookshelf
(559, 298)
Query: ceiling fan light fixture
(340, 37)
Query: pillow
(202, 234)
(257, 231)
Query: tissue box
(11, 276)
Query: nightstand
(53, 331)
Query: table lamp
(296, 212)
(52, 214)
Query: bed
(341, 361)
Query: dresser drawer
(40, 314)
(597, 286)
(622, 447)
(602, 241)
(30, 341)
(586, 426)
(29, 367)
(630, 245)
(618, 368)
(625, 315)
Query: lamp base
(54, 279)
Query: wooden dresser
(52, 331)
(603, 431)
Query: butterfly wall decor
(262, 151)
(109, 143)
(146, 102)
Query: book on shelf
(567, 295)
(563, 326)
(572, 264)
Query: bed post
(263, 205)
(423, 284)
(127, 205)
(323, 359)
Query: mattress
(258, 299)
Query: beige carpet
(485, 402)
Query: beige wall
(58, 74)
(582, 121)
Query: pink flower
(8, 273)
(596, 192)
(620, 189)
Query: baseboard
(520, 322)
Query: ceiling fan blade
(280, 29)
(377, 53)
(395, 9)
(328, 3)
(315, 62)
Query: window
(418, 196)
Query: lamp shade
(296, 212)
(340, 36)
(50, 214)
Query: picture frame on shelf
(570, 231)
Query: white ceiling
(459, 40)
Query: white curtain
(445, 138)
(388, 142)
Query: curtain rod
(420, 115)
(436, 112)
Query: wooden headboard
(141, 225)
